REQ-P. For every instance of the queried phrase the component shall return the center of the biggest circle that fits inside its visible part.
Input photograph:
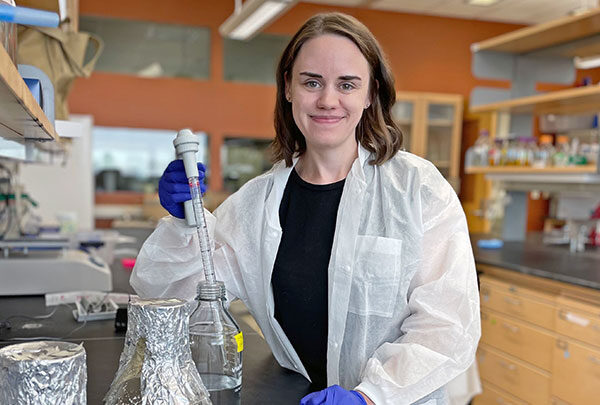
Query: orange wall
(427, 53)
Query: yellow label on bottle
(239, 338)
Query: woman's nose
(327, 98)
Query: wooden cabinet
(540, 341)
(431, 125)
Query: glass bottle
(216, 343)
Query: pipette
(186, 145)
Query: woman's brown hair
(376, 130)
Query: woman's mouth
(326, 119)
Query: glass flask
(216, 343)
(156, 364)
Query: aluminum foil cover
(43, 373)
(156, 365)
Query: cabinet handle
(573, 318)
(594, 359)
(561, 344)
(512, 301)
(512, 328)
(510, 367)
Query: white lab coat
(403, 300)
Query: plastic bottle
(482, 147)
(561, 156)
(216, 343)
(495, 153)
(476, 155)
(544, 153)
(522, 151)
(575, 155)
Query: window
(133, 159)
(243, 159)
(150, 49)
(255, 60)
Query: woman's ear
(288, 94)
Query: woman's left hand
(335, 395)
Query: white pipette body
(186, 146)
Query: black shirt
(307, 215)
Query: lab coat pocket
(376, 276)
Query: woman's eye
(347, 86)
(312, 84)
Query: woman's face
(329, 90)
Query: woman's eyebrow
(318, 76)
(310, 74)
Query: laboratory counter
(263, 380)
(533, 257)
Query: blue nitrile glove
(173, 187)
(333, 395)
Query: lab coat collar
(281, 175)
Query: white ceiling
(511, 11)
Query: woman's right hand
(173, 187)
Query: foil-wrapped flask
(156, 365)
(217, 344)
(43, 373)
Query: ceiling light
(587, 63)
(481, 2)
(253, 16)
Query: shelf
(545, 35)
(551, 178)
(440, 122)
(569, 101)
(531, 170)
(21, 117)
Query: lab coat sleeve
(170, 264)
(438, 340)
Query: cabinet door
(520, 302)
(512, 375)
(519, 339)
(443, 136)
(404, 113)
(576, 373)
(495, 396)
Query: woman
(353, 256)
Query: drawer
(578, 320)
(519, 302)
(495, 396)
(514, 376)
(522, 340)
(576, 373)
